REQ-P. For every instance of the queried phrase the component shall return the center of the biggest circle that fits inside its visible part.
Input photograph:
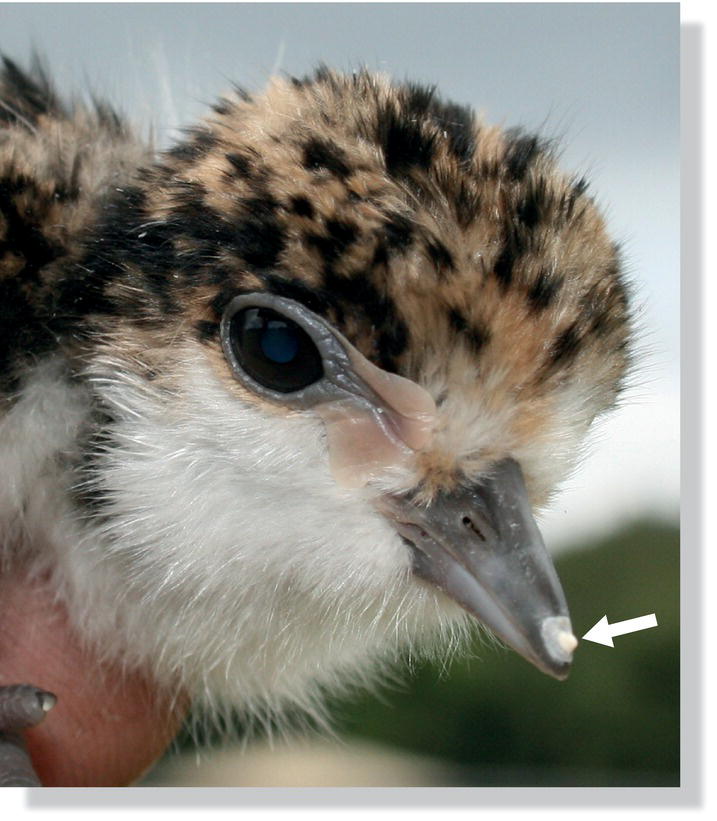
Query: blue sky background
(604, 78)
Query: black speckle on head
(152, 248)
(417, 99)
(604, 307)
(405, 142)
(218, 274)
(29, 95)
(600, 320)
(534, 205)
(222, 298)
(580, 186)
(564, 348)
(324, 154)
(127, 207)
(199, 143)
(223, 107)
(159, 285)
(455, 121)
(477, 336)
(503, 267)
(459, 125)
(343, 233)
(380, 255)
(522, 151)
(109, 119)
(133, 199)
(263, 204)
(207, 330)
(242, 93)
(120, 241)
(259, 238)
(21, 334)
(302, 206)
(571, 197)
(466, 204)
(67, 185)
(81, 296)
(192, 217)
(340, 236)
(543, 291)
(398, 231)
(323, 74)
(241, 164)
(23, 228)
(67, 193)
(457, 320)
(204, 140)
(392, 343)
(140, 252)
(358, 299)
(359, 296)
(440, 256)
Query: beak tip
(559, 642)
(567, 642)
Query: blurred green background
(492, 720)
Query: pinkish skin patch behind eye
(364, 439)
(411, 408)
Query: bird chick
(279, 403)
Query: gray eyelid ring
(338, 379)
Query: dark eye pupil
(275, 351)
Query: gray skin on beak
(481, 546)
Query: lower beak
(481, 546)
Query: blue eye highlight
(280, 342)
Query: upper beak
(481, 546)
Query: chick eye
(274, 351)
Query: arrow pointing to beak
(603, 632)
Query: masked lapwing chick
(280, 403)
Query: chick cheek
(107, 728)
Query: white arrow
(603, 633)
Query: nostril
(472, 526)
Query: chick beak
(481, 546)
